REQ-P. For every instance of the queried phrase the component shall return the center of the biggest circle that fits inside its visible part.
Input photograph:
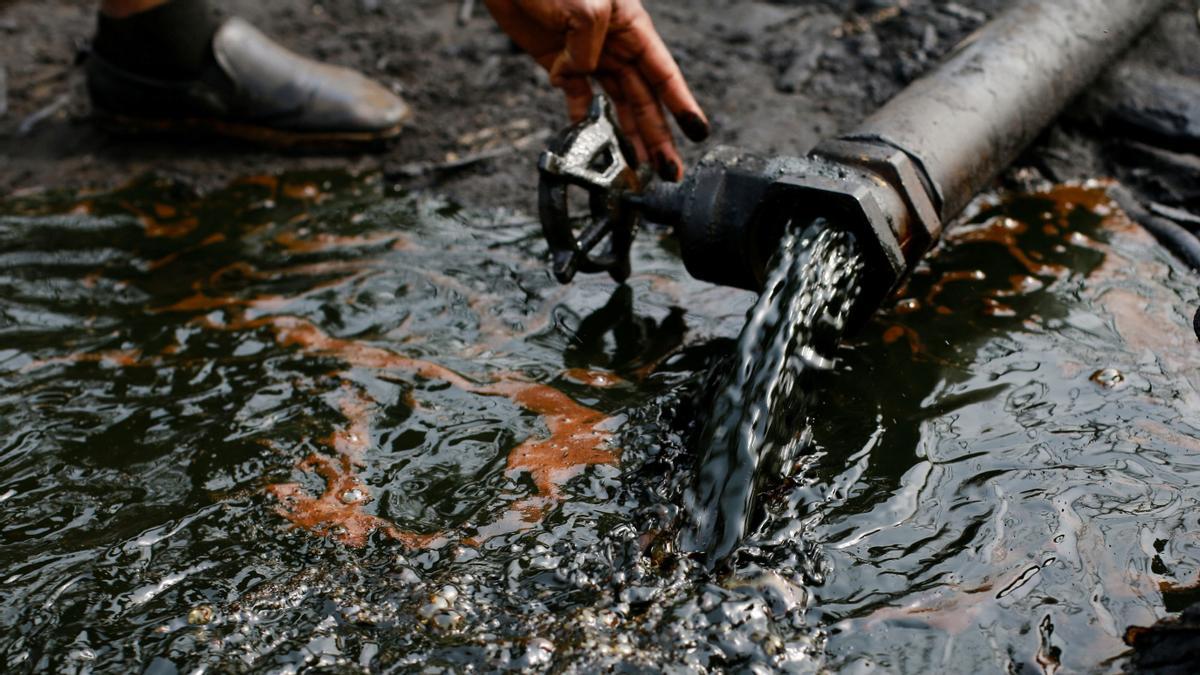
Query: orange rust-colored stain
(114, 358)
(1021, 284)
(519, 517)
(355, 439)
(296, 332)
(593, 378)
(571, 443)
(334, 513)
(574, 442)
(174, 255)
(201, 302)
(1005, 231)
(164, 211)
(642, 372)
(263, 180)
(241, 268)
(301, 191)
(179, 228)
(894, 333)
(950, 277)
(325, 241)
(1171, 587)
(243, 271)
(163, 226)
(338, 512)
(1092, 196)
(993, 307)
(1135, 633)
(162, 262)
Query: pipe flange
(916, 233)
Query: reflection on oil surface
(300, 422)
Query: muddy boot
(171, 69)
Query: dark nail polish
(694, 126)
(668, 170)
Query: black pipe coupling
(730, 211)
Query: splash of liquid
(757, 423)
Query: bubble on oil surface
(1108, 378)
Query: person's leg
(167, 65)
(155, 38)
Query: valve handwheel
(592, 155)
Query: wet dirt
(775, 77)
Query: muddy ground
(774, 76)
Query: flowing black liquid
(1002, 476)
(758, 418)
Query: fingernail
(668, 169)
(694, 126)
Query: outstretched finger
(525, 31)
(579, 96)
(655, 63)
(625, 116)
(586, 30)
(652, 125)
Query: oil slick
(335, 429)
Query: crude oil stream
(758, 422)
(299, 422)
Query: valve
(592, 155)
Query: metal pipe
(972, 116)
(894, 180)
(914, 164)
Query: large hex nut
(918, 232)
(857, 200)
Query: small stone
(200, 616)
(538, 652)
(447, 620)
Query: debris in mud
(30, 122)
(1169, 647)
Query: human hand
(615, 43)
